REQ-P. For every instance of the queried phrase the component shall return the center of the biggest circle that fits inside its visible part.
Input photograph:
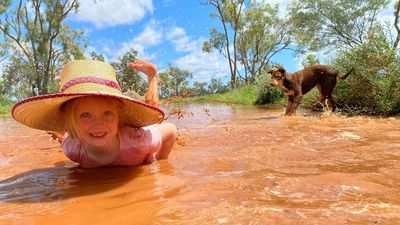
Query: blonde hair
(68, 113)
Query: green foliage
(252, 33)
(203, 88)
(207, 47)
(263, 35)
(39, 42)
(216, 86)
(128, 78)
(310, 60)
(340, 24)
(374, 86)
(245, 95)
(311, 99)
(265, 93)
(217, 40)
(5, 106)
(13, 83)
(174, 81)
(98, 57)
(165, 90)
(199, 88)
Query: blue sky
(163, 32)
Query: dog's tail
(346, 75)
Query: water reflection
(53, 184)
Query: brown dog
(297, 84)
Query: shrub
(265, 93)
(374, 86)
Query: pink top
(137, 146)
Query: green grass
(245, 95)
(5, 108)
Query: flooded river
(232, 165)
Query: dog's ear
(278, 69)
(281, 70)
(272, 70)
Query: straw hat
(81, 78)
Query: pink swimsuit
(137, 146)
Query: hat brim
(44, 112)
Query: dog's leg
(327, 88)
(289, 106)
(331, 103)
(320, 104)
(296, 103)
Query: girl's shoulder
(130, 132)
(133, 131)
(142, 136)
(72, 148)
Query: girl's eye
(85, 115)
(108, 114)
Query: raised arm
(150, 70)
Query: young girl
(101, 125)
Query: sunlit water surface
(232, 165)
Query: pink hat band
(90, 79)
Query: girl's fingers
(143, 66)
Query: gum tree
(342, 24)
(174, 81)
(229, 13)
(397, 24)
(262, 36)
(37, 36)
(252, 33)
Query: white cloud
(203, 66)
(150, 36)
(181, 41)
(108, 13)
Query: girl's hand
(55, 136)
(145, 67)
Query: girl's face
(96, 120)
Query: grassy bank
(5, 108)
(245, 95)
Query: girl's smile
(97, 121)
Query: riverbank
(245, 95)
(5, 108)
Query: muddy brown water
(232, 165)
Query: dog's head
(277, 76)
